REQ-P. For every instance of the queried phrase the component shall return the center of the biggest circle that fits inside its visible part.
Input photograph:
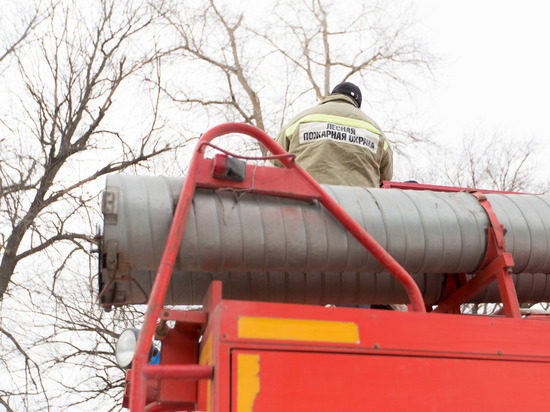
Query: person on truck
(337, 143)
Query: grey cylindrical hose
(281, 249)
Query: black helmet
(349, 89)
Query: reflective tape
(345, 121)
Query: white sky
(494, 75)
(496, 69)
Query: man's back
(338, 144)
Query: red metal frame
(291, 181)
(435, 188)
(497, 263)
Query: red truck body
(259, 356)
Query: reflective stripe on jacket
(338, 144)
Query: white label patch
(315, 131)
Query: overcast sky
(496, 69)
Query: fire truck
(270, 292)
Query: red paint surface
(297, 381)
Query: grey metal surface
(276, 249)
(530, 288)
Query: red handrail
(162, 280)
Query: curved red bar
(415, 296)
(158, 292)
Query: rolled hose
(285, 250)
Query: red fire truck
(295, 280)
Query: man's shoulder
(301, 115)
(347, 110)
(339, 106)
(326, 106)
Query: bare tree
(74, 72)
(258, 73)
(99, 380)
(498, 163)
(64, 103)
(76, 109)
(23, 28)
(63, 359)
(483, 160)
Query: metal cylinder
(287, 250)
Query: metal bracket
(497, 264)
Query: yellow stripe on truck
(248, 381)
(297, 330)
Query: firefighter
(337, 143)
